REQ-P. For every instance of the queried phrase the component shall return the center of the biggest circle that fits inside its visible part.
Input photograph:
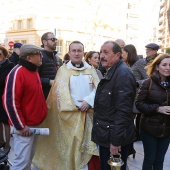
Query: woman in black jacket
(153, 100)
(5, 67)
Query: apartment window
(20, 24)
(23, 41)
(129, 5)
(67, 45)
(29, 23)
(59, 47)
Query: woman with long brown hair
(93, 58)
(153, 101)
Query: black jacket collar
(110, 72)
(15, 54)
(150, 59)
(50, 53)
(28, 65)
(3, 61)
(156, 78)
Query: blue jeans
(105, 156)
(154, 151)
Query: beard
(51, 47)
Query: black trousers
(105, 156)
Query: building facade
(91, 22)
(164, 25)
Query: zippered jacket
(113, 105)
(48, 70)
(148, 102)
(23, 96)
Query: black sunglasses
(0, 53)
(52, 39)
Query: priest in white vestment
(70, 103)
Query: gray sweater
(139, 70)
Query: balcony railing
(160, 27)
(162, 3)
(162, 10)
(161, 19)
(168, 17)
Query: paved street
(136, 164)
(133, 164)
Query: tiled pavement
(136, 164)
(133, 164)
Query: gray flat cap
(152, 46)
(28, 49)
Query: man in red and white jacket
(24, 103)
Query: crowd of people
(96, 104)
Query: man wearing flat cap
(14, 58)
(24, 104)
(139, 67)
(151, 52)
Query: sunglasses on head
(52, 39)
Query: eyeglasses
(149, 50)
(52, 39)
(78, 51)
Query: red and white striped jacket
(23, 98)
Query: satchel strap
(150, 85)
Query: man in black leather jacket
(113, 127)
(50, 62)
